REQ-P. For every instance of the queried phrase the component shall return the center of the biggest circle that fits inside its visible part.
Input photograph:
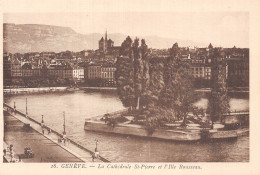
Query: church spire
(105, 43)
(106, 35)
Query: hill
(37, 38)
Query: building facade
(62, 73)
(238, 72)
(78, 74)
(108, 75)
(7, 70)
(93, 72)
(16, 68)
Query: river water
(81, 105)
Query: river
(81, 105)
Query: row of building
(15, 70)
(237, 71)
(99, 66)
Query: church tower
(105, 44)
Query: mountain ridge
(40, 37)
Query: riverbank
(33, 90)
(193, 132)
(97, 88)
(14, 91)
(17, 91)
(230, 90)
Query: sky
(224, 29)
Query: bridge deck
(71, 146)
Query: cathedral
(104, 44)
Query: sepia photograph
(129, 87)
(126, 87)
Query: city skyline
(232, 28)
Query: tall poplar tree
(132, 73)
(155, 111)
(179, 94)
(218, 103)
(146, 73)
(138, 71)
(125, 74)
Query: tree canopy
(218, 99)
(161, 87)
(132, 72)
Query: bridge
(73, 147)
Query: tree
(146, 74)
(156, 84)
(138, 72)
(178, 94)
(218, 103)
(125, 74)
(154, 110)
(131, 74)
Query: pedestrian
(42, 124)
(4, 152)
(43, 131)
(11, 148)
(93, 157)
(20, 159)
(96, 153)
(12, 156)
(49, 130)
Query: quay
(61, 89)
(33, 90)
(230, 90)
(16, 91)
(75, 150)
(193, 132)
(140, 131)
(97, 88)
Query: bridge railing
(57, 133)
(238, 113)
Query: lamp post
(64, 126)
(96, 144)
(42, 123)
(26, 109)
(14, 108)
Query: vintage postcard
(154, 87)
